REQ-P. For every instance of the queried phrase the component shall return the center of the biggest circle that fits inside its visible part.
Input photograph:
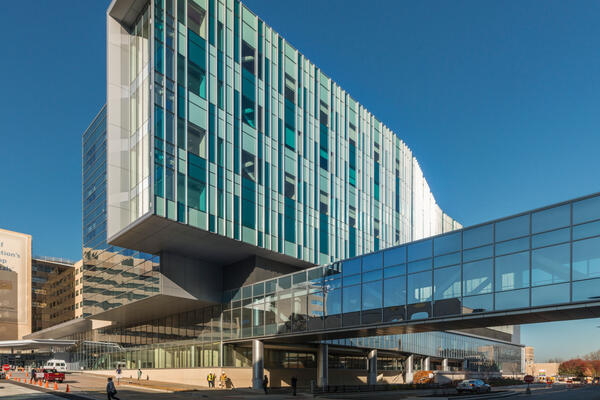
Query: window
(512, 272)
(196, 19)
(196, 140)
(550, 265)
(248, 54)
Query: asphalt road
(14, 392)
(591, 392)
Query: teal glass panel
(371, 295)
(586, 230)
(512, 228)
(394, 291)
(550, 265)
(550, 238)
(478, 253)
(553, 294)
(512, 271)
(477, 304)
(394, 256)
(586, 210)
(512, 299)
(512, 246)
(479, 236)
(351, 298)
(419, 250)
(477, 277)
(586, 259)
(447, 282)
(586, 290)
(446, 244)
(446, 260)
(552, 218)
(419, 287)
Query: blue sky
(499, 101)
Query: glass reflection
(371, 295)
(512, 246)
(512, 299)
(586, 290)
(394, 256)
(512, 271)
(550, 265)
(476, 304)
(551, 218)
(419, 287)
(477, 236)
(477, 277)
(586, 259)
(394, 291)
(351, 299)
(447, 282)
(553, 294)
(478, 253)
(446, 244)
(512, 228)
(550, 238)
(419, 250)
(445, 260)
(586, 230)
(586, 210)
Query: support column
(465, 365)
(258, 369)
(372, 365)
(427, 364)
(408, 372)
(322, 365)
(445, 365)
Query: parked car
(473, 386)
(59, 365)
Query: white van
(59, 365)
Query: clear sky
(499, 101)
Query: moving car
(473, 386)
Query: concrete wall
(242, 377)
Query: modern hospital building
(242, 212)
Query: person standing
(265, 384)
(139, 374)
(223, 380)
(294, 384)
(118, 375)
(111, 391)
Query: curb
(65, 395)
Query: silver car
(473, 386)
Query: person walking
(139, 374)
(118, 375)
(265, 384)
(111, 391)
(223, 380)
(294, 384)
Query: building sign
(15, 285)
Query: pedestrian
(111, 391)
(139, 374)
(223, 380)
(118, 375)
(265, 384)
(294, 384)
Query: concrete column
(427, 364)
(258, 369)
(372, 365)
(445, 365)
(408, 373)
(322, 365)
(465, 365)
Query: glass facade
(241, 135)
(112, 276)
(545, 257)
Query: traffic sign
(528, 379)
